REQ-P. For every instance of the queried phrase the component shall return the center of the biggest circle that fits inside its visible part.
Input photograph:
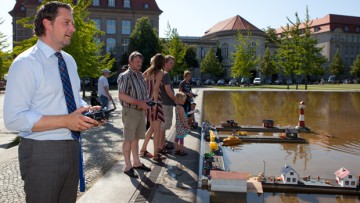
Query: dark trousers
(50, 170)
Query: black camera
(99, 115)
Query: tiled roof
(330, 22)
(342, 172)
(234, 23)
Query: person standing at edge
(133, 98)
(103, 88)
(168, 98)
(47, 111)
(185, 87)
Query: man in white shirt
(103, 88)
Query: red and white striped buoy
(302, 117)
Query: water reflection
(334, 116)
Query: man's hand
(76, 121)
(143, 104)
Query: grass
(325, 87)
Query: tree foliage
(271, 36)
(178, 50)
(337, 66)
(190, 57)
(245, 58)
(298, 54)
(145, 40)
(267, 64)
(355, 68)
(84, 46)
(5, 58)
(211, 64)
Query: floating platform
(252, 129)
(266, 139)
(312, 186)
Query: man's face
(188, 77)
(136, 63)
(60, 31)
(169, 65)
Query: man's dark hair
(47, 11)
(135, 54)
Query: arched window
(146, 6)
(110, 44)
(225, 50)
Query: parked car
(233, 82)
(85, 81)
(332, 79)
(278, 82)
(245, 81)
(221, 82)
(257, 81)
(195, 81)
(289, 82)
(209, 82)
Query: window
(288, 180)
(294, 180)
(346, 182)
(225, 50)
(39, 1)
(111, 3)
(202, 53)
(124, 45)
(97, 22)
(22, 8)
(253, 47)
(126, 27)
(95, 3)
(126, 3)
(110, 26)
(352, 183)
(346, 29)
(291, 173)
(316, 29)
(357, 29)
(110, 44)
(146, 6)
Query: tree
(145, 40)
(4, 54)
(312, 59)
(211, 65)
(245, 56)
(84, 46)
(355, 68)
(270, 36)
(176, 48)
(190, 57)
(337, 67)
(267, 64)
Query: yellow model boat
(231, 140)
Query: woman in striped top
(153, 76)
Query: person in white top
(103, 88)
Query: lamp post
(264, 167)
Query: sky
(194, 17)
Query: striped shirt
(133, 84)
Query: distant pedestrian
(133, 98)
(185, 87)
(103, 88)
(43, 103)
(182, 126)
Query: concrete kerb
(176, 182)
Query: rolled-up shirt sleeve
(20, 88)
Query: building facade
(116, 18)
(336, 32)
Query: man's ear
(46, 23)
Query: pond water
(333, 116)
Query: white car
(257, 81)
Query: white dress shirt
(34, 89)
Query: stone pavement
(175, 180)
